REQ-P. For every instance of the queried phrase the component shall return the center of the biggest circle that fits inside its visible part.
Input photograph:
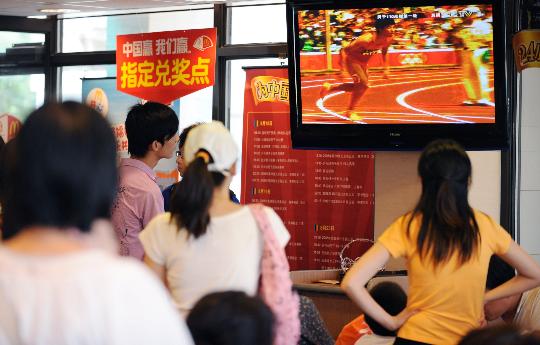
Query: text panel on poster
(325, 198)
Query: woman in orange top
(447, 245)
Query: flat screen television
(392, 74)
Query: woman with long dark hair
(61, 281)
(448, 246)
(207, 243)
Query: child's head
(447, 225)
(151, 124)
(231, 318)
(210, 155)
(391, 297)
(500, 335)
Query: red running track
(433, 95)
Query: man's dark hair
(499, 272)
(231, 318)
(381, 24)
(63, 173)
(391, 297)
(148, 122)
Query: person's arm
(356, 279)
(159, 270)
(153, 206)
(528, 276)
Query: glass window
(237, 86)
(19, 96)
(258, 24)
(99, 33)
(9, 39)
(72, 79)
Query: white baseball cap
(217, 141)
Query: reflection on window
(21, 94)
(258, 24)
(237, 87)
(99, 33)
(72, 79)
(196, 107)
(8, 39)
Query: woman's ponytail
(191, 199)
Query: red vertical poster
(325, 198)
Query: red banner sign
(325, 198)
(164, 66)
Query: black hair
(499, 272)
(448, 224)
(6, 157)
(231, 318)
(184, 134)
(149, 122)
(64, 170)
(190, 200)
(391, 297)
(381, 24)
(499, 335)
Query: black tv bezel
(493, 136)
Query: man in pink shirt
(152, 132)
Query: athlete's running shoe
(325, 89)
(355, 116)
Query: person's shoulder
(162, 220)
(366, 38)
(168, 190)
(484, 220)
(127, 271)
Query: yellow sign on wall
(527, 49)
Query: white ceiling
(32, 7)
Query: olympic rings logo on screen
(412, 59)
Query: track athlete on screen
(355, 58)
(477, 36)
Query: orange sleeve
(501, 240)
(395, 238)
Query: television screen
(382, 74)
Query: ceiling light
(37, 17)
(58, 10)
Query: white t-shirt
(88, 297)
(226, 257)
(528, 312)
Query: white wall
(397, 187)
(529, 167)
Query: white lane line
(373, 112)
(406, 120)
(320, 104)
(392, 84)
(458, 74)
(476, 117)
(401, 101)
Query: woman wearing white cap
(207, 243)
